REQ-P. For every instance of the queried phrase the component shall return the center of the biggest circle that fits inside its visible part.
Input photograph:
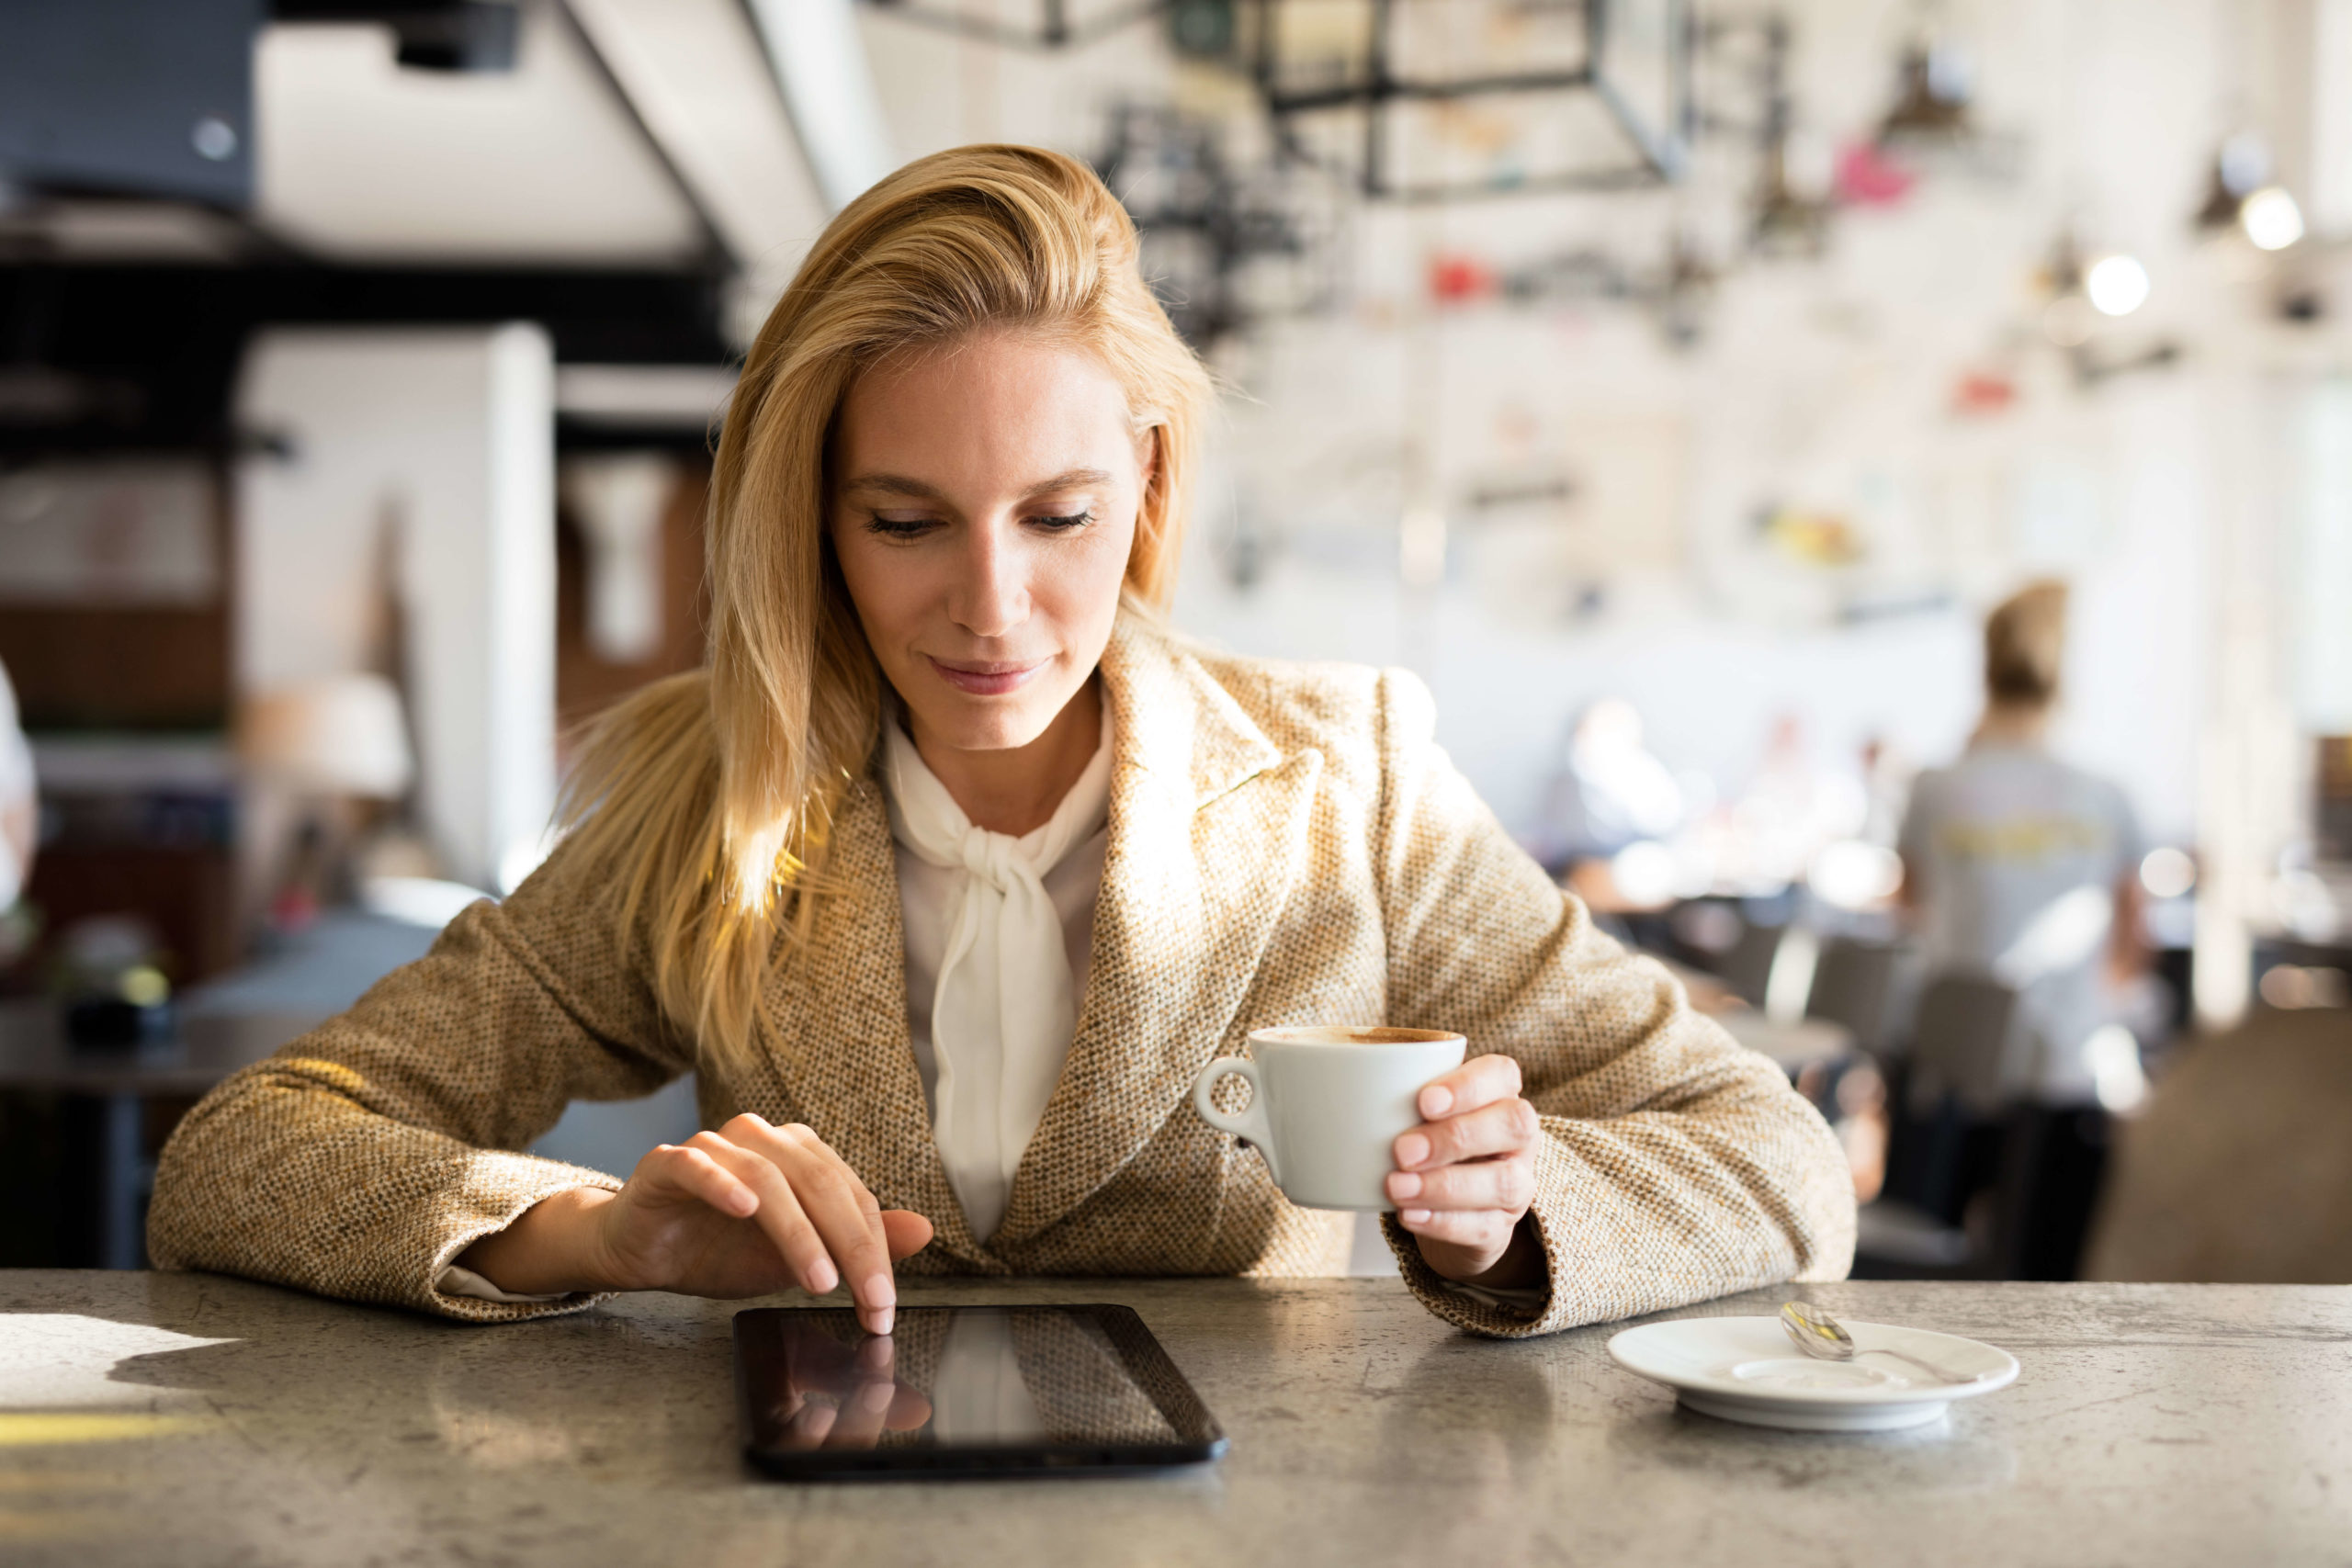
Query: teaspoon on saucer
(1819, 1335)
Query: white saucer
(1745, 1368)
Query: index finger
(846, 1216)
(1481, 1080)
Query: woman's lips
(986, 679)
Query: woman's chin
(967, 723)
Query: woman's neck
(1016, 790)
(2013, 724)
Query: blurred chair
(1853, 985)
(1966, 1048)
(2239, 1168)
(1951, 1141)
(1746, 969)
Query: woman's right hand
(746, 1211)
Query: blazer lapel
(1209, 833)
(839, 1019)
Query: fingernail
(875, 1397)
(1404, 1184)
(823, 1277)
(1436, 1101)
(1411, 1150)
(1414, 1216)
(882, 1318)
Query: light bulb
(2167, 872)
(2117, 285)
(1644, 873)
(2244, 163)
(2271, 218)
(1853, 874)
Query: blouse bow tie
(1003, 1014)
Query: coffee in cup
(1327, 1103)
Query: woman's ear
(1147, 456)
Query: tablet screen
(965, 1387)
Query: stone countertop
(170, 1419)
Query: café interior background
(1673, 391)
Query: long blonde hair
(706, 802)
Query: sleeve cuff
(1514, 1314)
(457, 1282)
(1527, 1302)
(497, 1187)
(1479, 1308)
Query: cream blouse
(997, 933)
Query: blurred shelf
(124, 764)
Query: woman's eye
(1064, 523)
(898, 527)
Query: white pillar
(429, 456)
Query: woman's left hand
(1465, 1176)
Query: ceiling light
(2272, 219)
(1440, 102)
(2117, 285)
(1644, 873)
(2242, 163)
(1853, 874)
(2167, 872)
(1932, 103)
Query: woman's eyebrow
(896, 484)
(900, 484)
(1077, 478)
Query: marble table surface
(168, 1419)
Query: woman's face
(984, 502)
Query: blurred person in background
(1792, 808)
(1887, 776)
(1614, 793)
(2022, 868)
(19, 810)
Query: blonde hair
(707, 802)
(2025, 645)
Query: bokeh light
(2117, 285)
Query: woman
(956, 865)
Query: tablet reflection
(969, 1378)
(980, 1394)
(826, 1391)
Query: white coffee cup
(1327, 1103)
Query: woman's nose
(992, 594)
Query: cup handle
(1252, 1125)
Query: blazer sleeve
(1675, 1165)
(361, 1159)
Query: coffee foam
(1353, 1035)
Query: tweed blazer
(1288, 845)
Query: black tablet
(964, 1390)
